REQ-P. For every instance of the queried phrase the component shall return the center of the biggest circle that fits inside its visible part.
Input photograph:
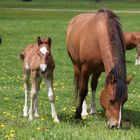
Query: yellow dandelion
(7, 136)
(6, 98)
(42, 119)
(64, 109)
(11, 135)
(12, 131)
(2, 125)
(13, 116)
(38, 128)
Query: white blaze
(120, 117)
(43, 50)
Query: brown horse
(95, 43)
(132, 40)
(38, 62)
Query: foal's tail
(22, 55)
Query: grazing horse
(95, 43)
(132, 40)
(38, 62)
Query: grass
(19, 28)
(72, 4)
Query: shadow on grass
(129, 61)
(131, 115)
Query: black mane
(118, 73)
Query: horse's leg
(77, 73)
(26, 89)
(137, 62)
(83, 89)
(33, 96)
(49, 82)
(94, 83)
(84, 113)
(36, 99)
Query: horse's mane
(117, 74)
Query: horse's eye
(38, 54)
(49, 54)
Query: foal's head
(113, 96)
(44, 52)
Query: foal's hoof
(56, 121)
(30, 118)
(25, 114)
(36, 116)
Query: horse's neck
(107, 57)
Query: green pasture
(72, 4)
(19, 28)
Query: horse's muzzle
(43, 67)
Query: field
(21, 27)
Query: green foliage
(19, 28)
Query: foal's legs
(26, 88)
(33, 97)
(36, 99)
(49, 82)
(94, 83)
(83, 85)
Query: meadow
(19, 28)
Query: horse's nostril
(113, 126)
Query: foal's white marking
(120, 117)
(43, 67)
(43, 50)
(51, 98)
(25, 110)
(27, 66)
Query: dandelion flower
(2, 125)
(38, 128)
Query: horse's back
(83, 34)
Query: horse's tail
(77, 74)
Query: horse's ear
(39, 41)
(49, 41)
(129, 79)
(111, 78)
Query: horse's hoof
(77, 117)
(84, 117)
(92, 113)
(36, 116)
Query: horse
(132, 40)
(38, 63)
(95, 43)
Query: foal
(132, 40)
(38, 63)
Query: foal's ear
(39, 41)
(49, 41)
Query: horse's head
(44, 52)
(113, 96)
